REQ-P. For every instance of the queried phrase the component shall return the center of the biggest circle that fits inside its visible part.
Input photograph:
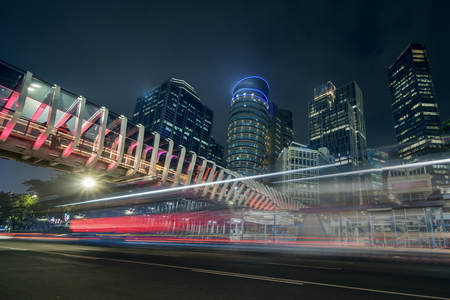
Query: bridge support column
(154, 157)
(138, 156)
(261, 201)
(167, 162)
(26, 80)
(191, 168)
(50, 119)
(255, 199)
(210, 178)
(100, 138)
(200, 174)
(236, 196)
(224, 187)
(249, 197)
(81, 103)
(216, 186)
(233, 186)
(179, 166)
(120, 145)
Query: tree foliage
(56, 185)
(15, 207)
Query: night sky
(113, 51)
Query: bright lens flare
(88, 182)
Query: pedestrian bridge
(44, 125)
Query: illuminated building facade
(414, 108)
(332, 125)
(174, 110)
(314, 191)
(248, 126)
(336, 122)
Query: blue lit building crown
(253, 85)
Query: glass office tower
(216, 152)
(336, 121)
(352, 94)
(377, 160)
(414, 108)
(288, 130)
(332, 125)
(248, 126)
(174, 110)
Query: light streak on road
(414, 165)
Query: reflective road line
(303, 266)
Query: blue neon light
(252, 89)
(258, 77)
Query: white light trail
(162, 191)
(414, 165)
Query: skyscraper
(288, 132)
(336, 121)
(248, 126)
(174, 110)
(352, 94)
(215, 152)
(414, 108)
(377, 160)
(332, 125)
(281, 133)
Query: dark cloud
(111, 52)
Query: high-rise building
(352, 94)
(414, 108)
(174, 110)
(288, 132)
(332, 125)
(281, 133)
(216, 152)
(377, 160)
(336, 121)
(248, 126)
(298, 186)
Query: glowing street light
(88, 182)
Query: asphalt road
(35, 270)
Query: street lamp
(88, 182)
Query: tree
(16, 207)
(57, 185)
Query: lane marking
(375, 291)
(163, 254)
(303, 266)
(254, 276)
(71, 255)
(330, 261)
(265, 278)
(206, 253)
